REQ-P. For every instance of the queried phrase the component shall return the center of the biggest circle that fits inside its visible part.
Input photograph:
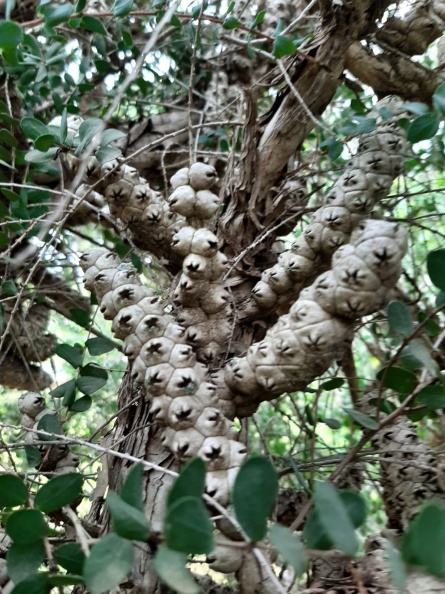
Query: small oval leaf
(170, 567)
(436, 267)
(335, 519)
(423, 127)
(289, 547)
(362, 419)
(128, 522)
(13, 491)
(109, 562)
(190, 482)
(71, 557)
(398, 379)
(256, 476)
(187, 527)
(26, 526)
(58, 492)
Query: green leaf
(109, 562)
(331, 423)
(33, 584)
(128, 522)
(256, 475)
(11, 35)
(91, 379)
(33, 456)
(415, 107)
(55, 15)
(170, 567)
(24, 560)
(7, 138)
(44, 143)
(33, 128)
(72, 354)
(333, 384)
(314, 533)
(88, 130)
(8, 289)
(80, 317)
(417, 349)
(71, 557)
(436, 267)
(396, 567)
(10, 4)
(366, 125)
(66, 390)
(187, 527)
(81, 404)
(440, 299)
(10, 56)
(334, 146)
(99, 346)
(258, 19)
(190, 483)
(13, 491)
(93, 24)
(107, 153)
(50, 424)
(335, 519)
(63, 579)
(111, 135)
(399, 319)
(355, 506)
(289, 547)
(423, 127)
(428, 538)
(12, 196)
(335, 150)
(58, 492)
(131, 491)
(398, 379)
(63, 133)
(35, 156)
(122, 7)
(283, 46)
(89, 385)
(81, 4)
(230, 23)
(439, 99)
(433, 397)
(26, 526)
(362, 419)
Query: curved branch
(392, 74)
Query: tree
(236, 185)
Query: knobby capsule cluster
(183, 400)
(28, 337)
(55, 458)
(203, 300)
(366, 180)
(304, 343)
(411, 471)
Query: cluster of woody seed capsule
(412, 472)
(57, 458)
(304, 343)
(200, 293)
(131, 200)
(196, 422)
(366, 180)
